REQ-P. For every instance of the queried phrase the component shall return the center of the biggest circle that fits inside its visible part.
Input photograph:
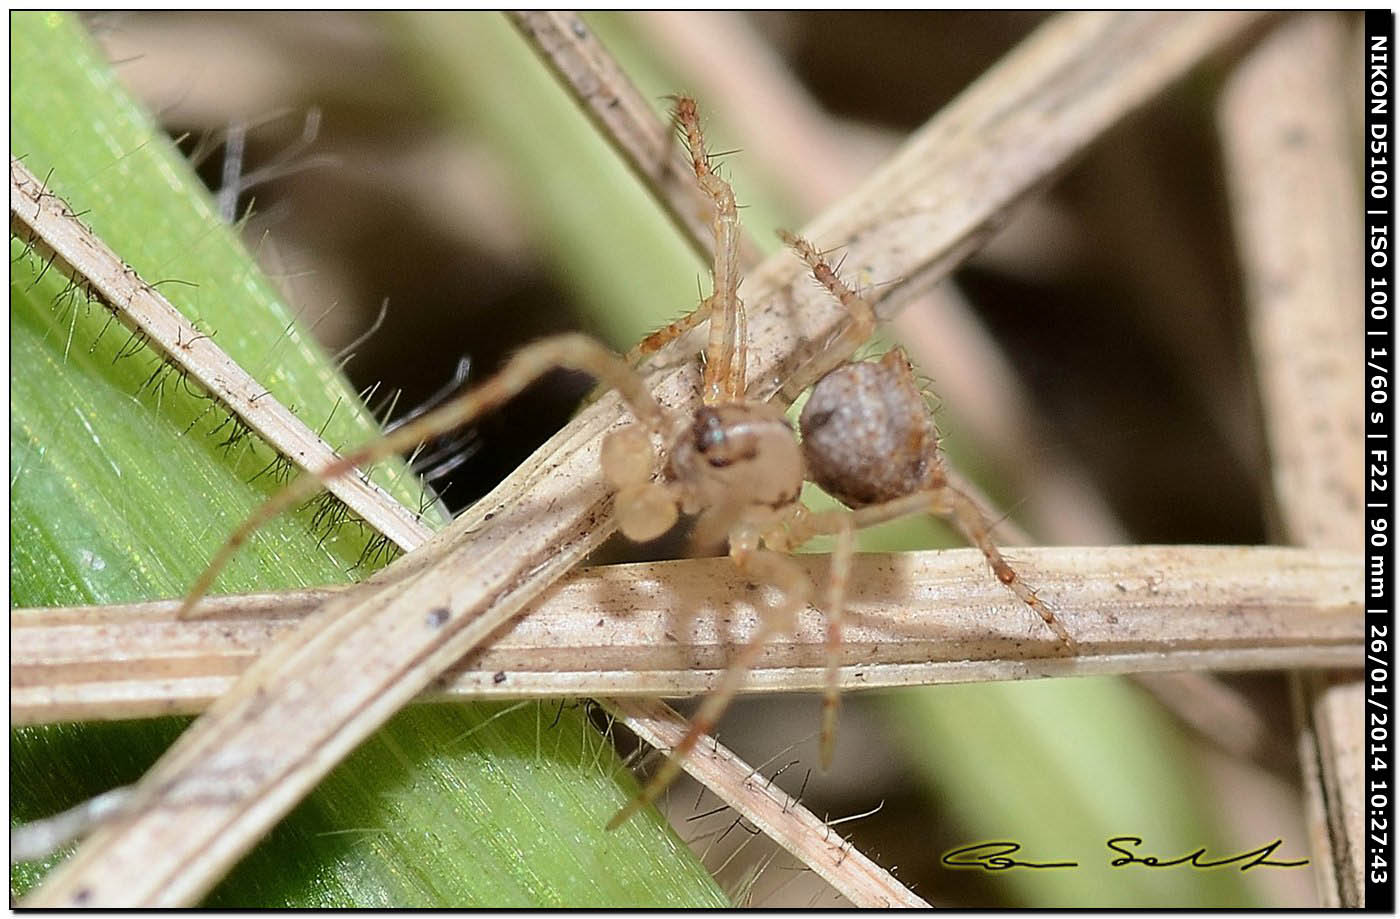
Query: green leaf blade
(121, 493)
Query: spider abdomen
(867, 435)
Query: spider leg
(964, 513)
(841, 524)
(667, 334)
(571, 351)
(841, 557)
(856, 333)
(725, 354)
(790, 579)
(973, 523)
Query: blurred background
(1090, 363)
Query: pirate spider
(736, 465)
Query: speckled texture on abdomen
(867, 435)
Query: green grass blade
(119, 493)
(1061, 767)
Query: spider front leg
(727, 352)
(571, 351)
(855, 334)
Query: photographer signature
(996, 856)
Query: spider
(736, 465)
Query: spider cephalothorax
(742, 451)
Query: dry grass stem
(625, 118)
(53, 223)
(317, 693)
(46, 223)
(1290, 160)
(667, 628)
(776, 813)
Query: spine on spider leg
(570, 351)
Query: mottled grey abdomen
(867, 435)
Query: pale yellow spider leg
(841, 524)
(664, 336)
(571, 351)
(724, 364)
(841, 556)
(856, 333)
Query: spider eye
(709, 431)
